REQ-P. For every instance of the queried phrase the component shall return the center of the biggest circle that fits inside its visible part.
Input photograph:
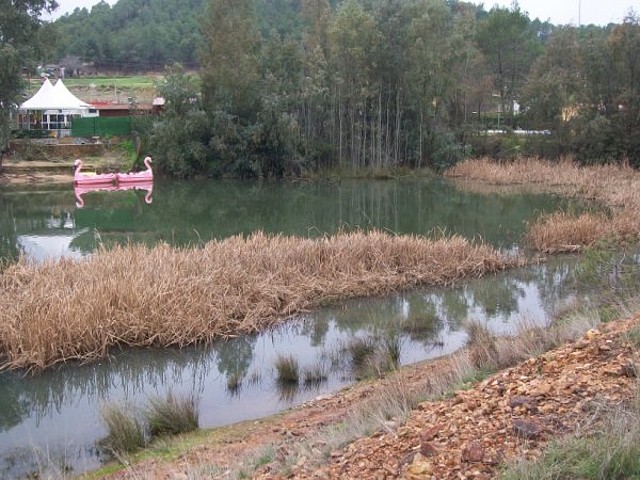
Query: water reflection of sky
(49, 247)
(58, 412)
(51, 238)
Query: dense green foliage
(21, 35)
(131, 36)
(291, 85)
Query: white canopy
(57, 97)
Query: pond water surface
(46, 222)
(53, 418)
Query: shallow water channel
(53, 418)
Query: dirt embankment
(17, 171)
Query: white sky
(562, 12)
(559, 12)
(68, 6)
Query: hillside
(133, 35)
(146, 35)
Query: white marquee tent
(57, 106)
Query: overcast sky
(559, 12)
(562, 12)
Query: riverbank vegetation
(613, 186)
(282, 87)
(131, 428)
(162, 296)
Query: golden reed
(614, 186)
(163, 296)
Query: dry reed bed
(161, 296)
(613, 185)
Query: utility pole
(579, 13)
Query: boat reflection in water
(146, 185)
(84, 182)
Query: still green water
(43, 223)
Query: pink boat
(80, 178)
(146, 185)
(136, 177)
(82, 189)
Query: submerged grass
(288, 370)
(162, 296)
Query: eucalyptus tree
(430, 34)
(20, 45)
(353, 37)
(606, 126)
(468, 66)
(229, 58)
(590, 129)
(276, 139)
(624, 46)
(554, 88)
(391, 109)
(314, 115)
(510, 46)
(231, 86)
(180, 138)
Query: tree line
(131, 36)
(383, 84)
(286, 86)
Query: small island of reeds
(161, 296)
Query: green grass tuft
(125, 432)
(171, 415)
(288, 370)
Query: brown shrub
(615, 186)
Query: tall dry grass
(615, 186)
(161, 296)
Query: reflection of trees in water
(29, 213)
(194, 212)
(455, 307)
(234, 356)
(13, 408)
(132, 373)
(317, 326)
(8, 235)
(422, 315)
(555, 282)
(422, 324)
(497, 296)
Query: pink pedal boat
(80, 178)
(136, 177)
